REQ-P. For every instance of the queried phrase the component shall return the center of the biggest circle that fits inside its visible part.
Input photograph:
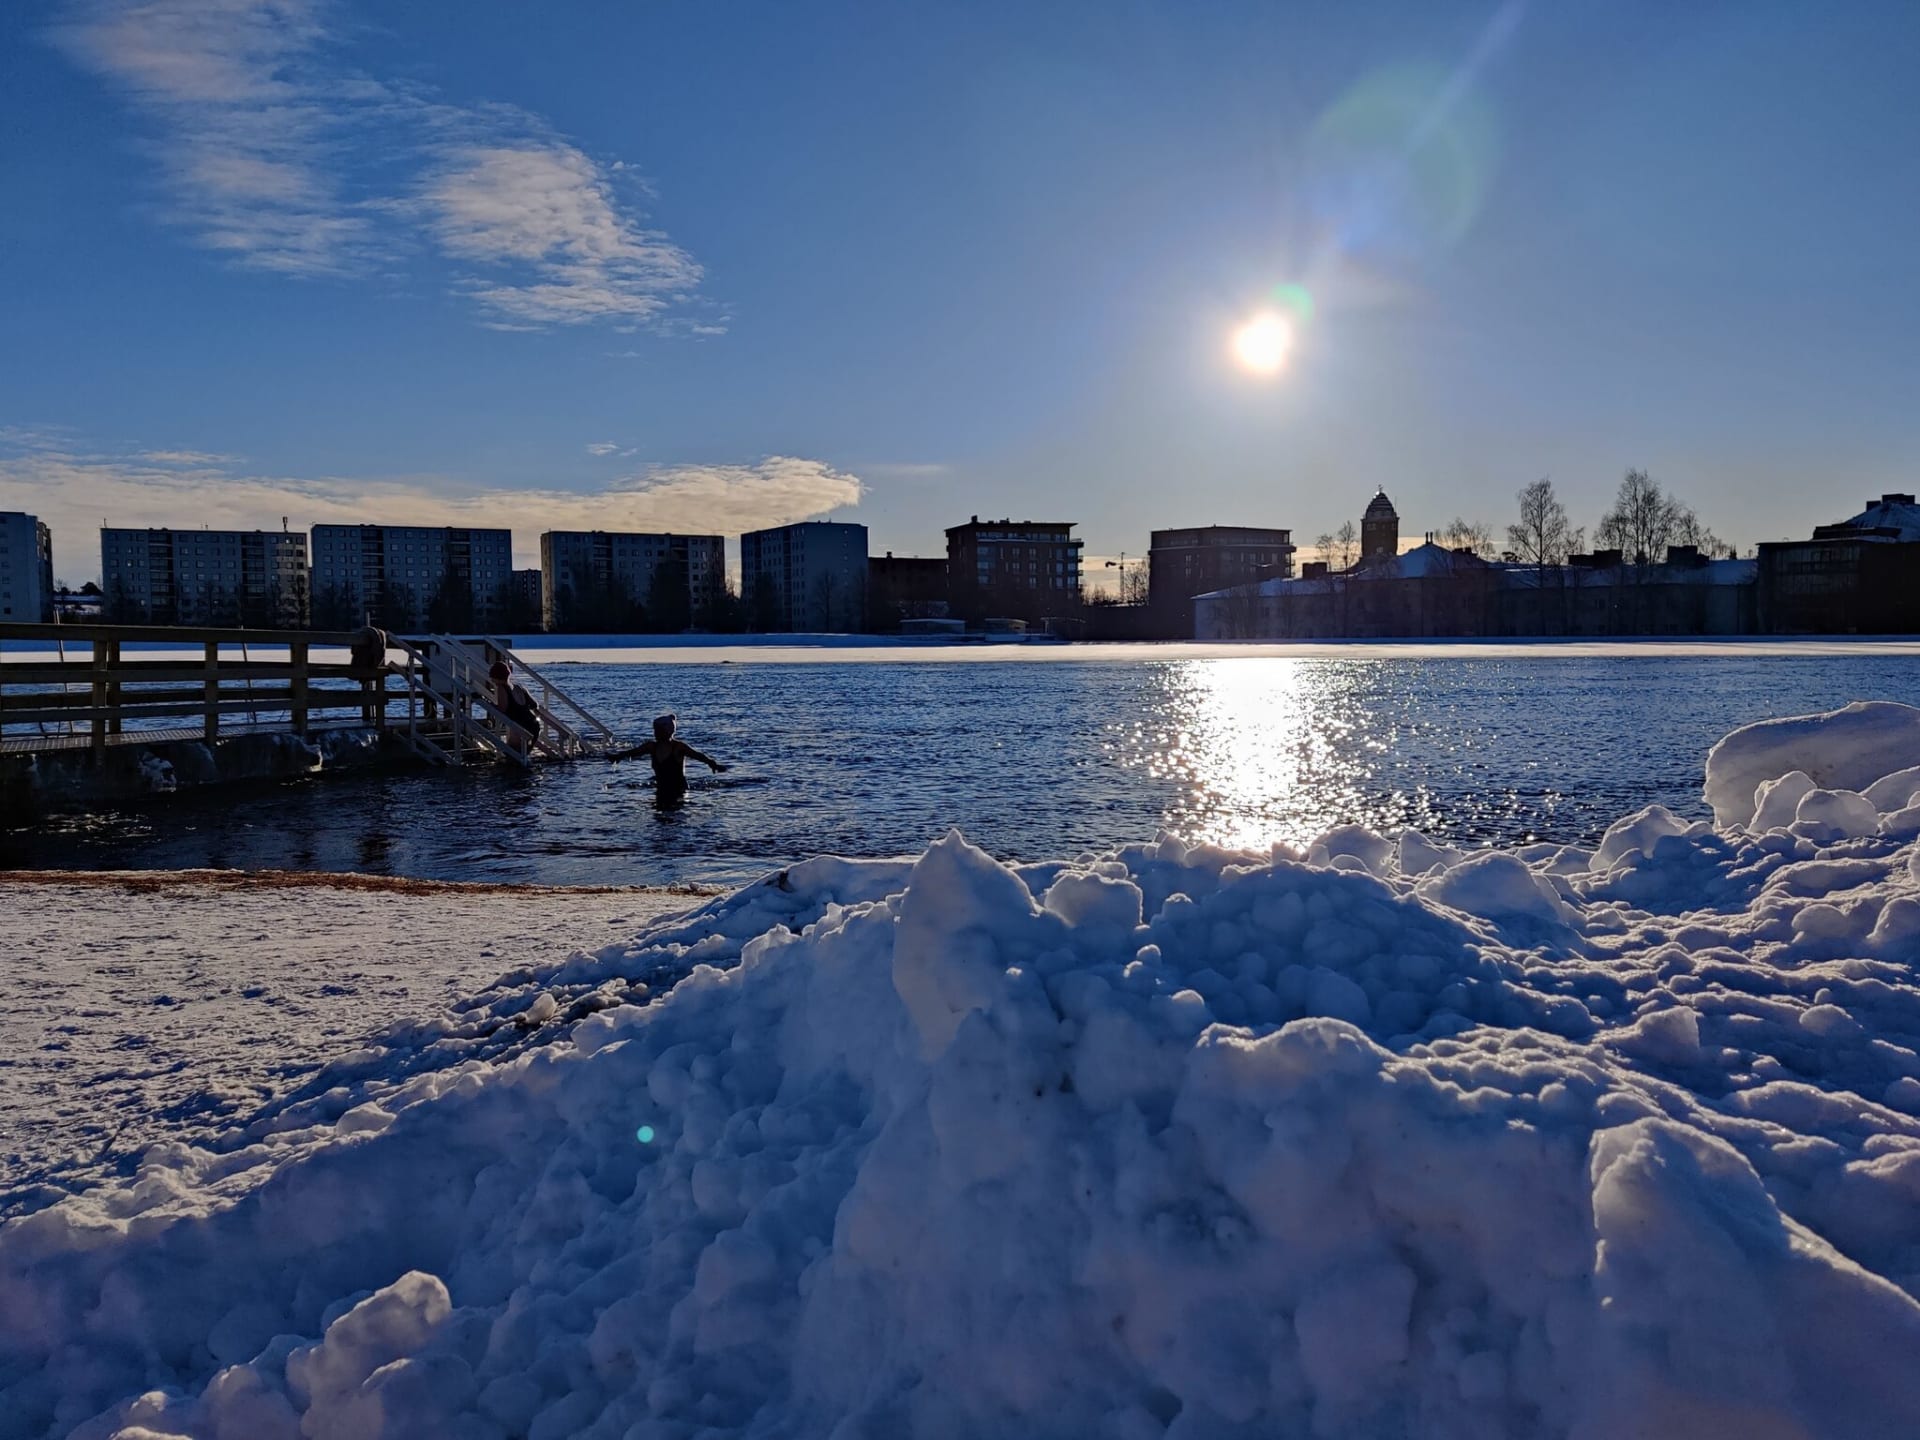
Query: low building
(85, 606)
(205, 577)
(1019, 569)
(410, 577)
(1184, 563)
(26, 569)
(1858, 577)
(615, 581)
(1432, 592)
(905, 587)
(810, 577)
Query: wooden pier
(95, 687)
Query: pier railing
(69, 686)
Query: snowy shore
(147, 1006)
(1379, 1139)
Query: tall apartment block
(807, 577)
(1197, 561)
(1020, 569)
(409, 577)
(26, 569)
(614, 580)
(204, 577)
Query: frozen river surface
(1028, 759)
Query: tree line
(1643, 521)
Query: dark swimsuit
(669, 768)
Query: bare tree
(1468, 535)
(1324, 544)
(1687, 530)
(1645, 520)
(1543, 537)
(1642, 521)
(1346, 545)
(1133, 585)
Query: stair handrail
(554, 692)
(460, 654)
(461, 693)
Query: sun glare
(1261, 345)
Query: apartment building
(26, 569)
(1020, 569)
(410, 577)
(615, 580)
(808, 577)
(204, 577)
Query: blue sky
(713, 266)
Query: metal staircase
(451, 717)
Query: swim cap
(662, 727)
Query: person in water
(517, 705)
(669, 755)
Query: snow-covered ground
(147, 1006)
(1382, 1139)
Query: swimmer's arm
(706, 760)
(645, 747)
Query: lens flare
(644, 1134)
(1261, 345)
(1295, 299)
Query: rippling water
(1028, 759)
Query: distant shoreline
(888, 649)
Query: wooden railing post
(113, 685)
(212, 690)
(101, 651)
(297, 653)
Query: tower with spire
(1379, 530)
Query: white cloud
(277, 154)
(602, 447)
(74, 492)
(247, 123)
(544, 214)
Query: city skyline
(313, 260)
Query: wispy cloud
(185, 457)
(74, 491)
(248, 122)
(602, 447)
(908, 470)
(277, 153)
(542, 220)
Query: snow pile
(1381, 1139)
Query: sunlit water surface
(1029, 760)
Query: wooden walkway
(122, 688)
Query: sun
(1261, 345)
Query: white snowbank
(1844, 749)
(1175, 1142)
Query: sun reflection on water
(1263, 750)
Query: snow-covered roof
(1708, 572)
(1430, 561)
(1425, 560)
(1898, 513)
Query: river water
(1029, 759)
